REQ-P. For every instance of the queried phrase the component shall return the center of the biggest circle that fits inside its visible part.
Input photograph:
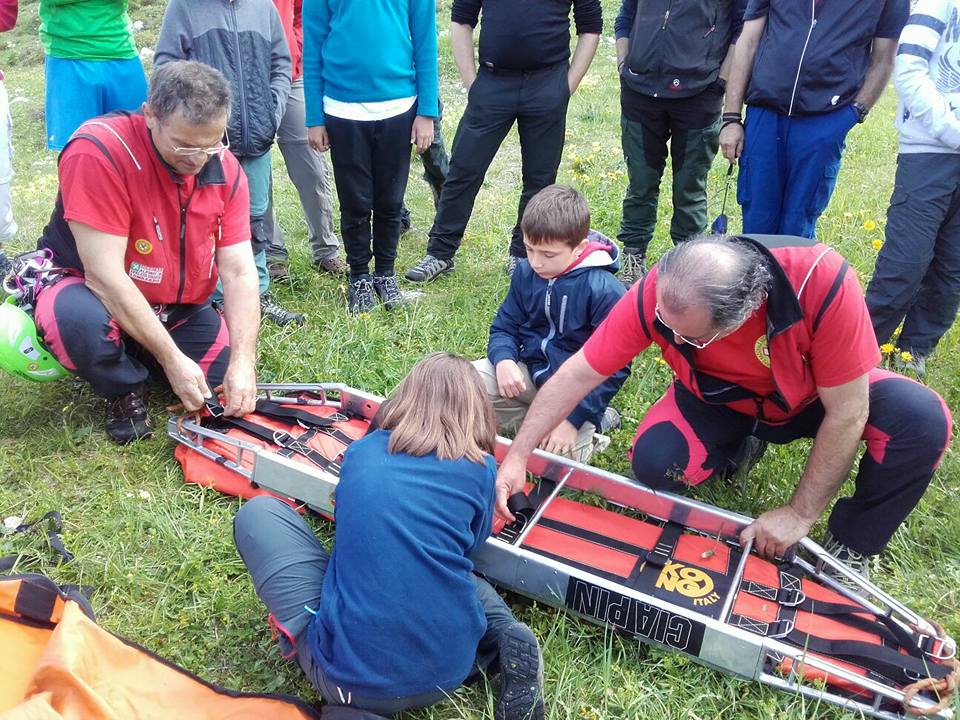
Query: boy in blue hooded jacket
(558, 296)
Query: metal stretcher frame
(713, 642)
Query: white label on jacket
(144, 273)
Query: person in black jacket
(672, 58)
(558, 296)
(525, 76)
(809, 71)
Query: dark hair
(726, 275)
(558, 212)
(200, 92)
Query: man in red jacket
(770, 340)
(152, 209)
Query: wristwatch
(860, 109)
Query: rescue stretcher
(665, 569)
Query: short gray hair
(725, 274)
(200, 92)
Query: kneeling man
(770, 339)
(152, 208)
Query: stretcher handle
(735, 584)
(543, 506)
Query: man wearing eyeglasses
(770, 340)
(152, 209)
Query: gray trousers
(287, 565)
(917, 277)
(310, 174)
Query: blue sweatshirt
(399, 613)
(541, 322)
(369, 51)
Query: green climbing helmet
(21, 351)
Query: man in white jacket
(917, 277)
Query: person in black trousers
(525, 76)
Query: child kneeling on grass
(558, 296)
(394, 618)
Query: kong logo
(690, 582)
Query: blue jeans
(789, 168)
(287, 564)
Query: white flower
(144, 495)
(138, 26)
(12, 522)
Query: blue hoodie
(543, 322)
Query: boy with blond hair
(558, 296)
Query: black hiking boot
(388, 290)
(405, 222)
(429, 268)
(632, 267)
(521, 675)
(270, 308)
(127, 418)
(361, 295)
(851, 559)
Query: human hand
(421, 134)
(239, 388)
(572, 84)
(561, 440)
(318, 138)
(510, 382)
(187, 382)
(775, 531)
(731, 141)
(511, 477)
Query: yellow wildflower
(877, 244)
(906, 356)
(585, 179)
(869, 225)
(886, 348)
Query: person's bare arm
(582, 57)
(727, 63)
(102, 255)
(623, 49)
(554, 402)
(882, 58)
(834, 448)
(461, 40)
(241, 310)
(740, 68)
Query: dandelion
(869, 225)
(906, 356)
(886, 348)
(877, 244)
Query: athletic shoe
(610, 420)
(333, 265)
(389, 292)
(852, 560)
(278, 270)
(5, 264)
(361, 295)
(405, 222)
(127, 419)
(632, 266)
(512, 262)
(917, 364)
(521, 674)
(271, 309)
(429, 268)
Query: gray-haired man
(770, 340)
(152, 209)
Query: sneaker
(278, 270)
(127, 419)
(429, 268)
(405, 222)
(632, 267)
(361, 295)
(512, 262)
(333, 265)
(610, 420)
(270, 308)
(521, 673)
(858, 562)
(917, 364)
(388, 290)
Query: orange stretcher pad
(58, 664)
(662, 560)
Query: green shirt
(86, 29)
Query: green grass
(159, 553)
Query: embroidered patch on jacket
(143, 246)
(144, 273)
(762, 350)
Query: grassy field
(159, 553)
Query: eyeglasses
(695, 343)
(208, 151)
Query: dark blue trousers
(789, 168)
